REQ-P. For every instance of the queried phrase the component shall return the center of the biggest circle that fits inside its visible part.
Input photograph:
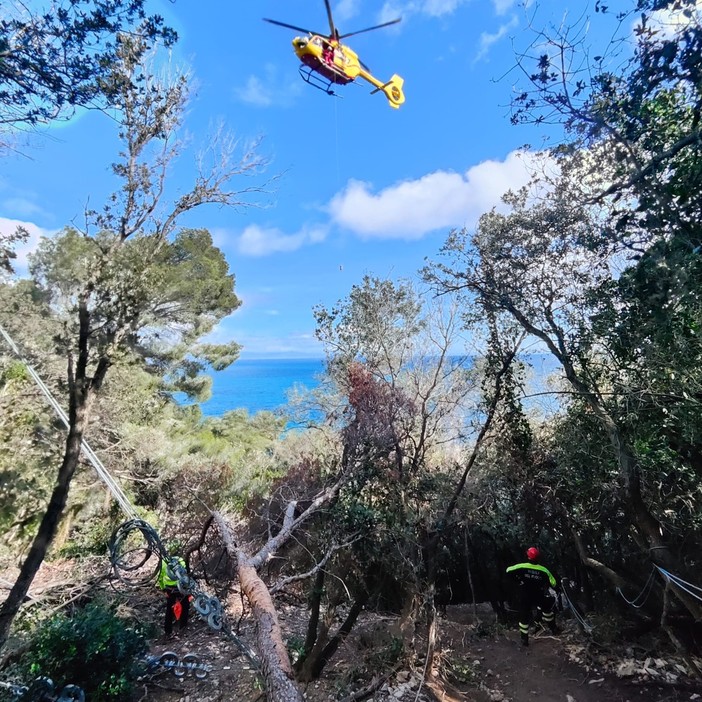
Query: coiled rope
(132, 546)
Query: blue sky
(362, 189)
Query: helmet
(533, 553)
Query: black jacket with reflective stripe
(532, 576)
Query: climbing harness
(640, 600)
(578, 616)
(130, 565)
(169, 661)
(43, 690)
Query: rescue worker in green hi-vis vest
(533, 582)
(177, 604)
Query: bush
(15, 370)
(94, 649)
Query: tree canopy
(56, 59)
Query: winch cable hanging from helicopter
(338, 150)
(128, 556)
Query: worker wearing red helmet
(533, 582)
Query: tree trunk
(470, 576)
(639, 514)
(315, 606)
(306, 669)
(275, 662)
(606, 572)
(314, 665)
(49, 523)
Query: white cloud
(439, 200)
(487, 39)
(502, 7)
(303, 344)
(437, 8)
(669, 22)
(405, 8)
(345, 10)
(261, 241)
(255, 93)
(9, 226)
(269, 90)
(21, 206)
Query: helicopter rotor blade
(333, 31)
(291, 26)
(370, 29)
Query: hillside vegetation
(415, 477)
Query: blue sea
(259, 384)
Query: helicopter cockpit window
(316, 41)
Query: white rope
(579, 617)
(102, 472)
(678, 579)
(679, 582)
(645, 592)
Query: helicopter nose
(299, 42)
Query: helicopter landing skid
(316, 81)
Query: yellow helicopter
(327, 62)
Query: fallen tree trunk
(275, 663)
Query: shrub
(94, 649)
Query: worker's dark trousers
(527, 602)
(173, 595)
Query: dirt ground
(480, 662)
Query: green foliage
(30, 441)
(385, 656)
(8, 243)
(157, 297)
(90, 536)
(296, 648)
(377, 324)
(94, 648)
(461, 671)
(14, 370)
(167, 293)
(56, 58)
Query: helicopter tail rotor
(393, 91)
